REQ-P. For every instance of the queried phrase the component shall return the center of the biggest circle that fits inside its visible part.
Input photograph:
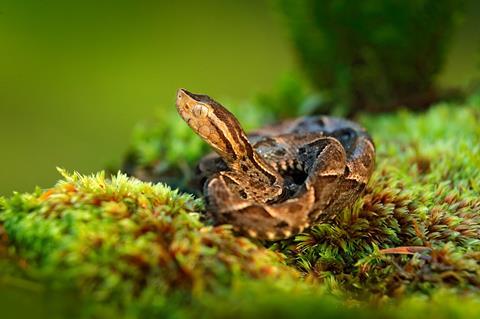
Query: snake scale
(282, 178)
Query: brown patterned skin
(279, 180)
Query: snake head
(197, 111)
(193, 108)
(211, 121)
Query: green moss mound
(126, 242)
(425, 192)
(125, 248)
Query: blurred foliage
(265, 303)
(77, 76)
(372, 55)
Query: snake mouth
(181, 101)
(181, 94)
(183, 105)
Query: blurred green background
(75, 77)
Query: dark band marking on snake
(282, 178)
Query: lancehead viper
(282, 178)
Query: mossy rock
(123, 247)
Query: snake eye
(200, 110)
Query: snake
(281, 179)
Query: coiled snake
(282, 178)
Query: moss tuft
(120, 240)
(424, 192)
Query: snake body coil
(278, 180)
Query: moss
(262, 303)
(424, 192)
(127, 242)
